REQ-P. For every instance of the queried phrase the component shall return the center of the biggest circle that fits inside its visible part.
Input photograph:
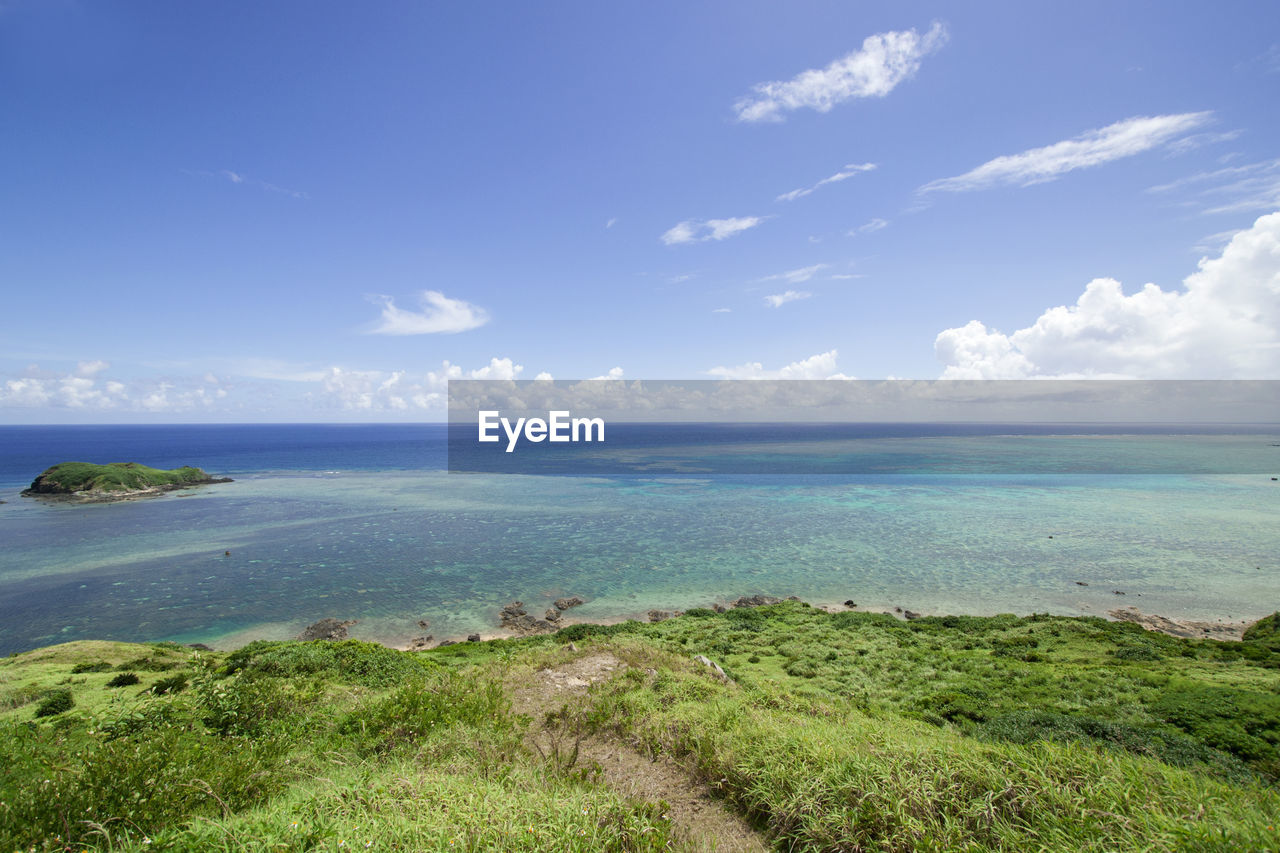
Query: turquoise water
(389, 547)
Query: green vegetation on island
(821, 731)
(87, 480)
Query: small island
(86, 482)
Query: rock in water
(327, 628)
(566, 603)
(514, 618)
(756, 601)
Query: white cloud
(614, 373)
(86, 388)
(1215, 242)
(777, 300)
(693, 231)
(439, 315)
(1199, 140)
(399, 390)
(847, 172)
(1248, 188)
(884, 61)
(1223, 324)
(238, 178)
(544, 377)
(845, 276)
(91, 368)
(612, 222)
(1113, 142)
(820, 366)
(869, 227)
(721, 310)
(796, 276)
(498, 368)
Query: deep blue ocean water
(363, 522)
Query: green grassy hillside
(840, 732)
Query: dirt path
(698, 817)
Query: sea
(367, 523)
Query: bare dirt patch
(699, 818)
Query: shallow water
(389, 547)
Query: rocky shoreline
(515, 621)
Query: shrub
(55, 702)
(147, 665)
(172, 684)
(422, 707)
(1136, 653)
(100, 666)
(572, 633)
(352, 661)
(955, 706)
(1025, 727)
(1241, 722)
(247, 705)
(124, 679)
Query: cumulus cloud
(844, 174)
(86, 388)
(1223, 324)
(797, 276)
(91, 368)
(614, 373)
(399, 390)
(874, 70)
(439, 315)
(777, 300)
(1038, 165)
(820, 366)
(694, 231)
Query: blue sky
(320, 211)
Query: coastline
(1218, 630)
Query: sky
(318, 211)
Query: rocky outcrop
(758, 600)
(1181, 628)
(327, 628)
(663, 615)
(570, 601)
(515, 618)
(715, 668)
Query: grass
(840, 732)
